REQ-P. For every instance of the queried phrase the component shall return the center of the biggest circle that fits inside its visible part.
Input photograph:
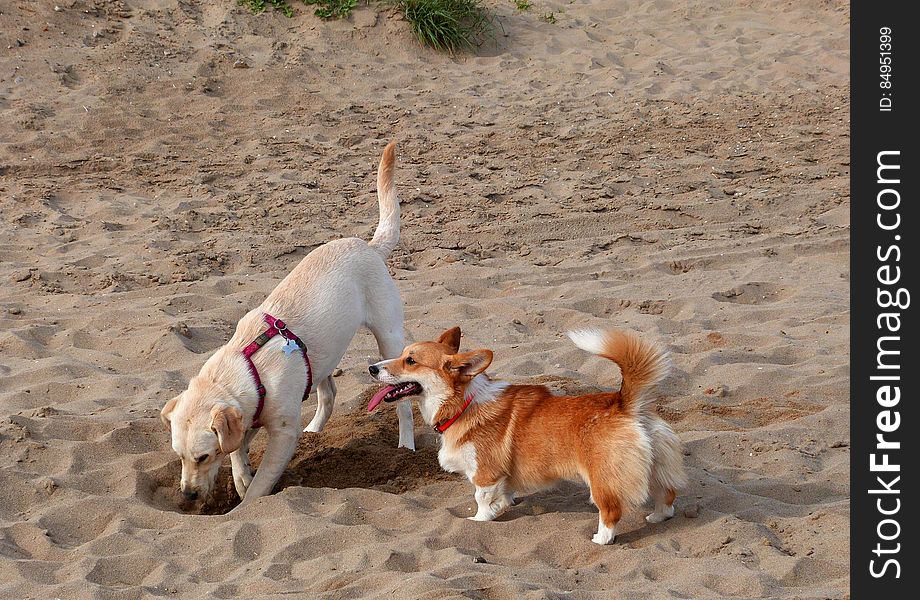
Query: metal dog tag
(290, 346)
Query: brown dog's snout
(190, 494)
(373, 370)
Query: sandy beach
(676, 168)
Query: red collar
(275, 327)
(443, 426)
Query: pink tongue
(378, 397)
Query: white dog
(296, 337)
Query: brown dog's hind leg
(667, 474)
(610, 510)
(664, 503)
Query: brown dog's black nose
(190, 495)
(374, 369)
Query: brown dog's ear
(451, 338)
(227, 423)
(167, 410)
(471, 364)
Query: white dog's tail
(642, 364)
(387, 234)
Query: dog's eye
(202, 458)
(410, 361)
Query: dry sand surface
(678, 168)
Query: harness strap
(275, 327)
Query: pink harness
(275, 327)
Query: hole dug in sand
(752, 293)
(356, 449)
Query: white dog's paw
(240, 489)
(242, 485)
(313, 428)
(661, 515)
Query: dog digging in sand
(295, 338)
(515, 438)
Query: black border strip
(877, 257)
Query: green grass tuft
(332, 9)
(522, 5)
(448, 25)
(327, 9)
(259, 6)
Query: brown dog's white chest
(458, 459)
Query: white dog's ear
(227, 423)
(471, 364)
(451, 338)
(167, 410)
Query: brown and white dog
(515, 438)
(260, 376)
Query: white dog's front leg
(406, 426)
(386, 324)
(325, 400)
(242, 468)
(278, 453)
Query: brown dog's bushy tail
(387, 234)
(643, 365)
